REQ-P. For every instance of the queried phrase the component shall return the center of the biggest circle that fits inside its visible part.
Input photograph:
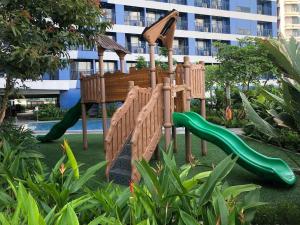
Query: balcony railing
(75, 74)
(150, 21)
(134, 21)
(220, 5)
(264, 10)
(264, 32)
(202, 27)
(203, 51)
(225, 29)
(137, 48)
(181, 2)
(109, 17)
(202, 3)
(181, 50)
(182, 25)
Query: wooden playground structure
(149, 97)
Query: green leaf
(273, 97)
(261, 124)
(188, 219)
(68, 216)
(234, 191)
(72, 159)
(217, 175)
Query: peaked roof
(109, 44)
(162, 31)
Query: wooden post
(188, 146)
(167, 111)
(203, 143)
(83, 115)
(103, 104)
(172, 79)
(130, 85)
(122, 61)
(152, 66)
(203, 112)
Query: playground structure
(150, 97)
(154, 99)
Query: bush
(278, 214)
(49, 112)
(167, 195)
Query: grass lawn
(271, 192)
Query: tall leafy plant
(285, 54)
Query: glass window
(109, 66)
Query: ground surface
(270, 192)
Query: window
(109, 66)
(77, 67)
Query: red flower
(131, 186)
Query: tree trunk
(7, 91)
(228, 94)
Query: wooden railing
(90, 89)
(123, 123)
(147, 132)
(197, 81)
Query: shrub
(166, 195)
(49, 112)
(284, 213)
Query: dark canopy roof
(109, 44)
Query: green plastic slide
(69, 120)
(273, 169)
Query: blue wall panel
(119, 14)
(64, 74)
(69, 98)
(192, 46)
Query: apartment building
(201, 23)
(289, 18)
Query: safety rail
(123, 122)
(90, 88)
(147, 132)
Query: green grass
(271, 192)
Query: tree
(244, 63)
(35, 36)
(141, 62)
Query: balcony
(223, 5)
(150, 21)
(202, 27)
(133, 21)
(75, 74)
(225, 29)
(202, 3)
(137, 48)
(181, 2)
(264, 10)
(180, 50)
(109, 17)
(182, 25)
(203, 51)
(264, 32)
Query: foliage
(168, 195)
(284, 213)
(280, 119)
(49, 112)
(16, 135)
(35, 36)
(244, 63)
(141, 62)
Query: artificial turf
(270, 192)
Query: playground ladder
(134, 133)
